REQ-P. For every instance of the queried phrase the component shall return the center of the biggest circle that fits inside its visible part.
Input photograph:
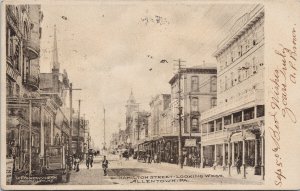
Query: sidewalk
(220, 171)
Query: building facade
(23, 34)
(198, 87)
(234, 129)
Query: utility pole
(104, 144)
(71, 116)
(30, 135)
(78, 126)
(138, 121)
(180, 160)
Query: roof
(244, 23)
(195, 70)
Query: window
(227, 120)
(254, 40)
(237, 117)
(9, 88)
(247, 67)
(195, 83)
(194, 104)
(195, 125)
(260, 111)
(221, 85)
(232, 79)
(249, 114)
(226, 84)
(211, 127)
(219, 124)
(213, 85)
(254, 65)
(213, 102)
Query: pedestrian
(155, 158)
(238, 165)
(204, 162)
(148, 158)
(105, 165)
(77, 160)
(89, 160)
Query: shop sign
(190, 143)
(9, 170)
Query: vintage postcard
(152, 94)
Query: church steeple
(55, 64)
(131, 99)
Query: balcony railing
(32, 48)
(250, 96)
(32, 82)
(215, 134)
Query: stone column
(42, 133)
(223, 123)
(229, 163)
(202, 156)
(215, 126)
(232, 161)
(206, 129)
(243, 157)
(255, 153)
(215, 158)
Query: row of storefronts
(38, 133)
(222, 108)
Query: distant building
(235, 127)
(131, 107)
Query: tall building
(198, 94)
(235, 127)
(131, 107)
(139, 127)
(23, 34)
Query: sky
(109, 49)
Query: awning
(241, 135)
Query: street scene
(135, 93)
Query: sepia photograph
(134, 93)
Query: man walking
(105, 165)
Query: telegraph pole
(104, 144)
(138, 121)
(71, 116)
(179, 113)
(78, 126)
(30, 136)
